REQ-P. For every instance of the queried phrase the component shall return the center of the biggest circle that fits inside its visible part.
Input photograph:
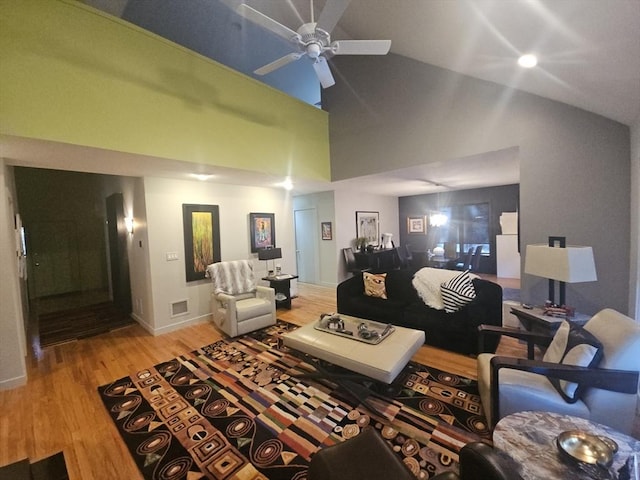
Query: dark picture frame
(201, 227)
(327, 232)
(368, 226)
(262, 229)
(417, 224)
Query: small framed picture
(417, 224)
(262, 228)
(326, 231)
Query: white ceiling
(589, 57)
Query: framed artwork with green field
(201, 239)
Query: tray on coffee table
(366, 331)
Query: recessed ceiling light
(287, 184)
(528, 61)
(202, 177)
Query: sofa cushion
(428, 281)
(399, 288)
(374, 284)
(457, 292)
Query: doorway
(306, 236)
(63, 215)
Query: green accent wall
(75, 75)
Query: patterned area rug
(235, 410)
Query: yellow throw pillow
(374, 284)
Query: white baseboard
(178, 325)
(142, 323)
(13, 382)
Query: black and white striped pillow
(457, 292)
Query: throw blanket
(427, 282)
(232, 278)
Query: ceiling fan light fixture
(528, 60)
(314, 40)
(313, 50)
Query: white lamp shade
(572, 264)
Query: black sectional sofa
(456, 331)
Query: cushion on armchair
(572, 345)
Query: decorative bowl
(587, 448)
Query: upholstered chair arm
(225, 300)
(623, 381)
(446, 476)
(267, 293)
(225, 314)
(479, 460)
(531, 337)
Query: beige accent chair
(509, 385)
(238, 305)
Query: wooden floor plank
(59, 409)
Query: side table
(534, 321)
(528, 440)
(282, 285)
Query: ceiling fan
(313, 40)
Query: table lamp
(556, 261)
(270, 253)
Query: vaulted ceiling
(588, 50)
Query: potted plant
(361, 243)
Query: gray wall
(500, 199)
(574, 165)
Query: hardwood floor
(59, 409)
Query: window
(474, 226)
(467, 226)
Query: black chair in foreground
(368, 456)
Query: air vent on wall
(179, 308)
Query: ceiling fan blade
(281, 62)
(266, 22)
(331, 13)
(361, 47)
(323, 72)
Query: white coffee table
(382, 362)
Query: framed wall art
(201, 227)
(417, 224)
(262, 229)
(327, 233)
(368, 227)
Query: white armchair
(509, 385)
(238, 305)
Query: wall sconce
(128, 223)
